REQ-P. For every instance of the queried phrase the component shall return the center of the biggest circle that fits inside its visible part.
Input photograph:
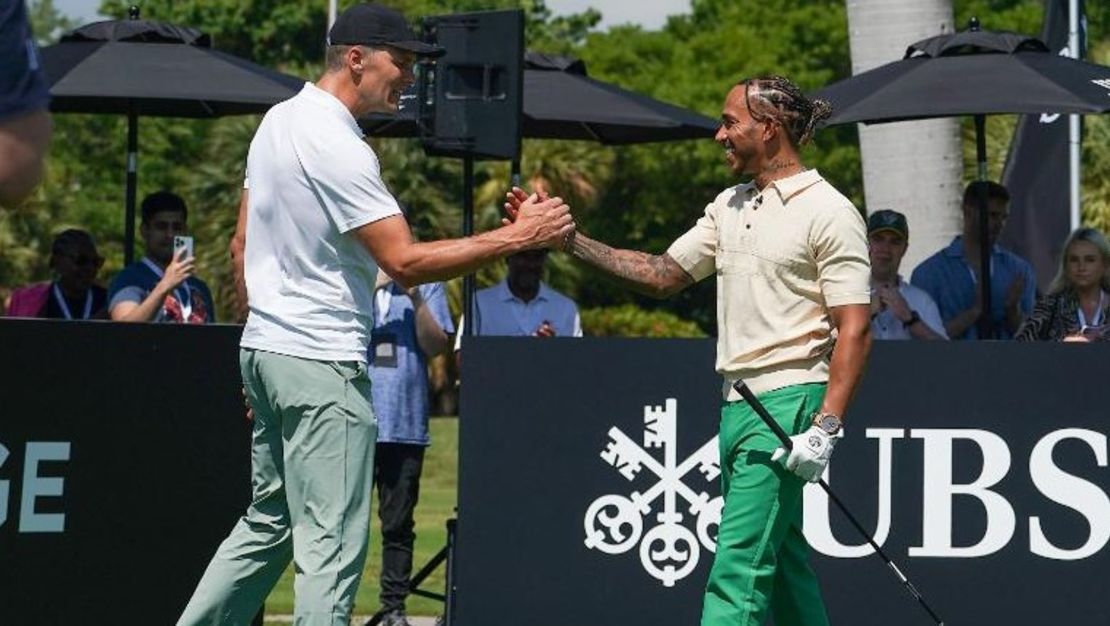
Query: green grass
(437, 503)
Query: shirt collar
(506, 294)
(956, 248)
(793, 185)
(332, 104)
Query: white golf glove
(810, 454)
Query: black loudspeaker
(471, 97)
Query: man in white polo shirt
(319, 222)
(790, 256)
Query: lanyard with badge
(181, 292)
(384, 343)
(60, 299)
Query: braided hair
(776, 99)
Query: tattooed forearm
(658, 276)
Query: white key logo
(614, 524)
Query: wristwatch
(827, 422)
(914, 318)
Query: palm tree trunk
(915, 168)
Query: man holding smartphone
(162, 287)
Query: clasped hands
(549, 217)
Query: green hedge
(629, 320)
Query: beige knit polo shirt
(783, 258)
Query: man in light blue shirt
(410, 326)
(951, 276)
(522, 305)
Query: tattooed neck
(777, 169)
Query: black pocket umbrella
(974, 72)
(136, 67)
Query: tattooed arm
(655, 275)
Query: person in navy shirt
(410, 326)
(159, 287)
(951, 276)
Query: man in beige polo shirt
(790, 256)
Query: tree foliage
(639, 197)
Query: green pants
(312, 460)
(761, 565)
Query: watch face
(829, 424)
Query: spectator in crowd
(523, 305)
(951, 276)
(24, 122)
(73, 294)
(161, 287)
(1077, 306)
(410, 326)
(898, 309)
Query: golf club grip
(742, 388)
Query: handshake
(540, 220)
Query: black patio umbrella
(136, 67)
(974, 72)
(562, 102)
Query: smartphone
(182, 242)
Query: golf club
(742, 388)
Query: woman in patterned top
(1077, 306)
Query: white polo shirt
(312, 179)
(783, 257)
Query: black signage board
(124, 461)
(981, 468)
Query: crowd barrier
(588, 484)
(588, 479)
(124, 461)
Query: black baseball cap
(373, 24)
(888, 220)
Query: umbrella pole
(132, 166)
(468, 230)
(514, 178)
(986, 317)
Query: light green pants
(312, 456)
(761, 565)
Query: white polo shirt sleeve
(346, 176)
